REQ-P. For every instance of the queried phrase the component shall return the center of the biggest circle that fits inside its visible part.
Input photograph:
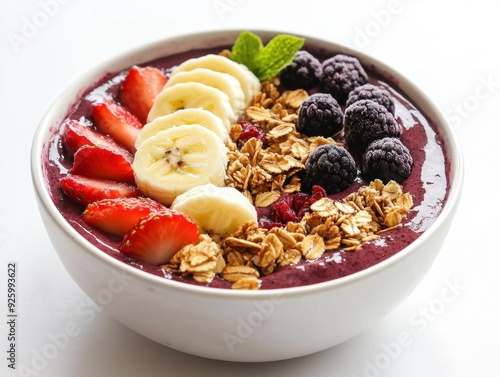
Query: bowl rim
(140, 54)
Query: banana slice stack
(212, 82)
(182, 147)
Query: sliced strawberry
(139, 90)
(117, 122)
(103, 163)
(158, 236)
(118, 216)
(76, 135)
(85, 190)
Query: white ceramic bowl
(240, 325)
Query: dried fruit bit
(331, 167)
(320, 115)
(304, 72)
(366, 121)
(249, 130)
(341, 74)
(374, 93)
(387, 159)
(292, 207)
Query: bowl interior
(57, 113)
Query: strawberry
(139, 90)
(76, 135)
(103, 163)
(117, 122)
(85, 190)
(158, 236)
(118, 216)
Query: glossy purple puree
(428, 184)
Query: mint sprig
(265, 61)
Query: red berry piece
(103, 163)
(157, 237)
(250, 130)
(76, 135)
(85, 190)
(292, 207)
(117, 122)
(139, 90)
(118, 216)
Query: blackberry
(386, 159)
(304, 72)
(366, 121)
(341, 74)
(330, 166)
(374, 93)
(320, 115)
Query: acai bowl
(309, 304)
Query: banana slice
(178, 159)
(219, 80)
(193, 95)
(183, 117)
(218, 211)
(248, 81)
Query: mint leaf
(265, 61)
(277, 54)
(246, 49)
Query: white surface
(448, 327)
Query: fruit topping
(218, 80)
(84, 190)
(366, 121)
(118, 216)
(387, 159)
(193, 95)
(217, 211)
(103, 163)
(76, 135)
(178, 159)
(341, 74)
(249, 130)
(304, 72)
(374, 93)
(158, 236)
(292, 207)
(117, 122)
(139, 89)
(246, 168)
(249, 83)
(183, 117)
(331, 167)
(320, 115)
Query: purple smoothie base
(428, 184)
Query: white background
(450, 326)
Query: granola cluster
(251, 252)
(263, 175)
